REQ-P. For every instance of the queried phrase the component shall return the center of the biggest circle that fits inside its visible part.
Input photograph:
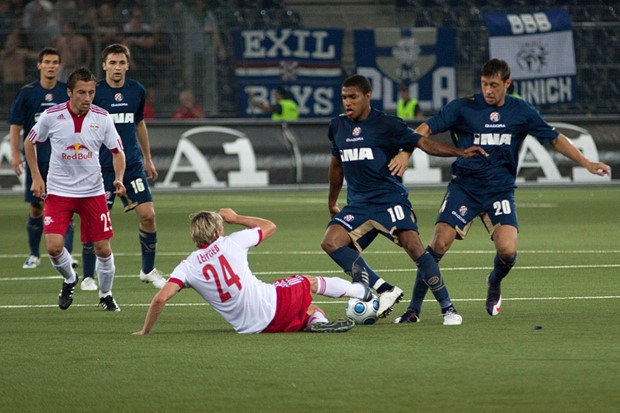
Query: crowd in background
(179, 45)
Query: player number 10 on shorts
(396, 213)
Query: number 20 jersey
(499, 130)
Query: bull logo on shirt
(77, 152)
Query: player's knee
(147, 220)
(36, 210)
(102, 249)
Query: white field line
(319, 252)
(339, 302)
(380, 270)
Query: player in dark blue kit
(371, 150)
(30, 102)
(124, 99)
(484, 187)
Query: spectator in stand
(38, 21)
(76, 47)
(189, 109)
(407, 108)
(140, 39)
(14, 72)
(108, 28)
(149, 104)
(285, 108)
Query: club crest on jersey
(118, 97)
(93, 126)
(494, 116)
(47, 221)
(463, 210)
(348, 218)
(356, 131)
(49, 97)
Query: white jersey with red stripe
(220, 273)
(74, 169)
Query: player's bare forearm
(335, 176)
(38, 184)
(563, 145)
(231, 217)
(118, 162)
(142, 136)
(158, 303)
(17, 163)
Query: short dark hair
(496, 67)
(282, 91)
(48, 51)
(358, 81)
(81, 74)
(114, 49)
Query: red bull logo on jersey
(77, 151)
(356, 154)
(492, 138)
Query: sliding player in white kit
(76, 130)
(218, 270)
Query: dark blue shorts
(135, 182)
(364, 223)
(460, 207)
(28, 195)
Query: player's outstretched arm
(231, 217)
(563, 145)
(157, 306)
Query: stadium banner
(305, 61)
(422, 58)
(538, 46)
(254, 154)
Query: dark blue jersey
(499, 130)
(365, 149)
(126, 106)
(31, 101)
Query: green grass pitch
(567, 281)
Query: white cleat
(155, 277)
(31, 262)
(387, 300)
(88, 284)
(451, 317)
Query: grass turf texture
(566, 281)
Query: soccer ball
(363, 312)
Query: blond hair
(204, 227)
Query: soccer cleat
(88, 284)
(451, 317)
(338, 326)
(65, 298)
(31, 262)
(410, 316)
(360, 275)
(155, 277)
(494, 300)
(74, 263)
(108, 303)
(387, 300)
